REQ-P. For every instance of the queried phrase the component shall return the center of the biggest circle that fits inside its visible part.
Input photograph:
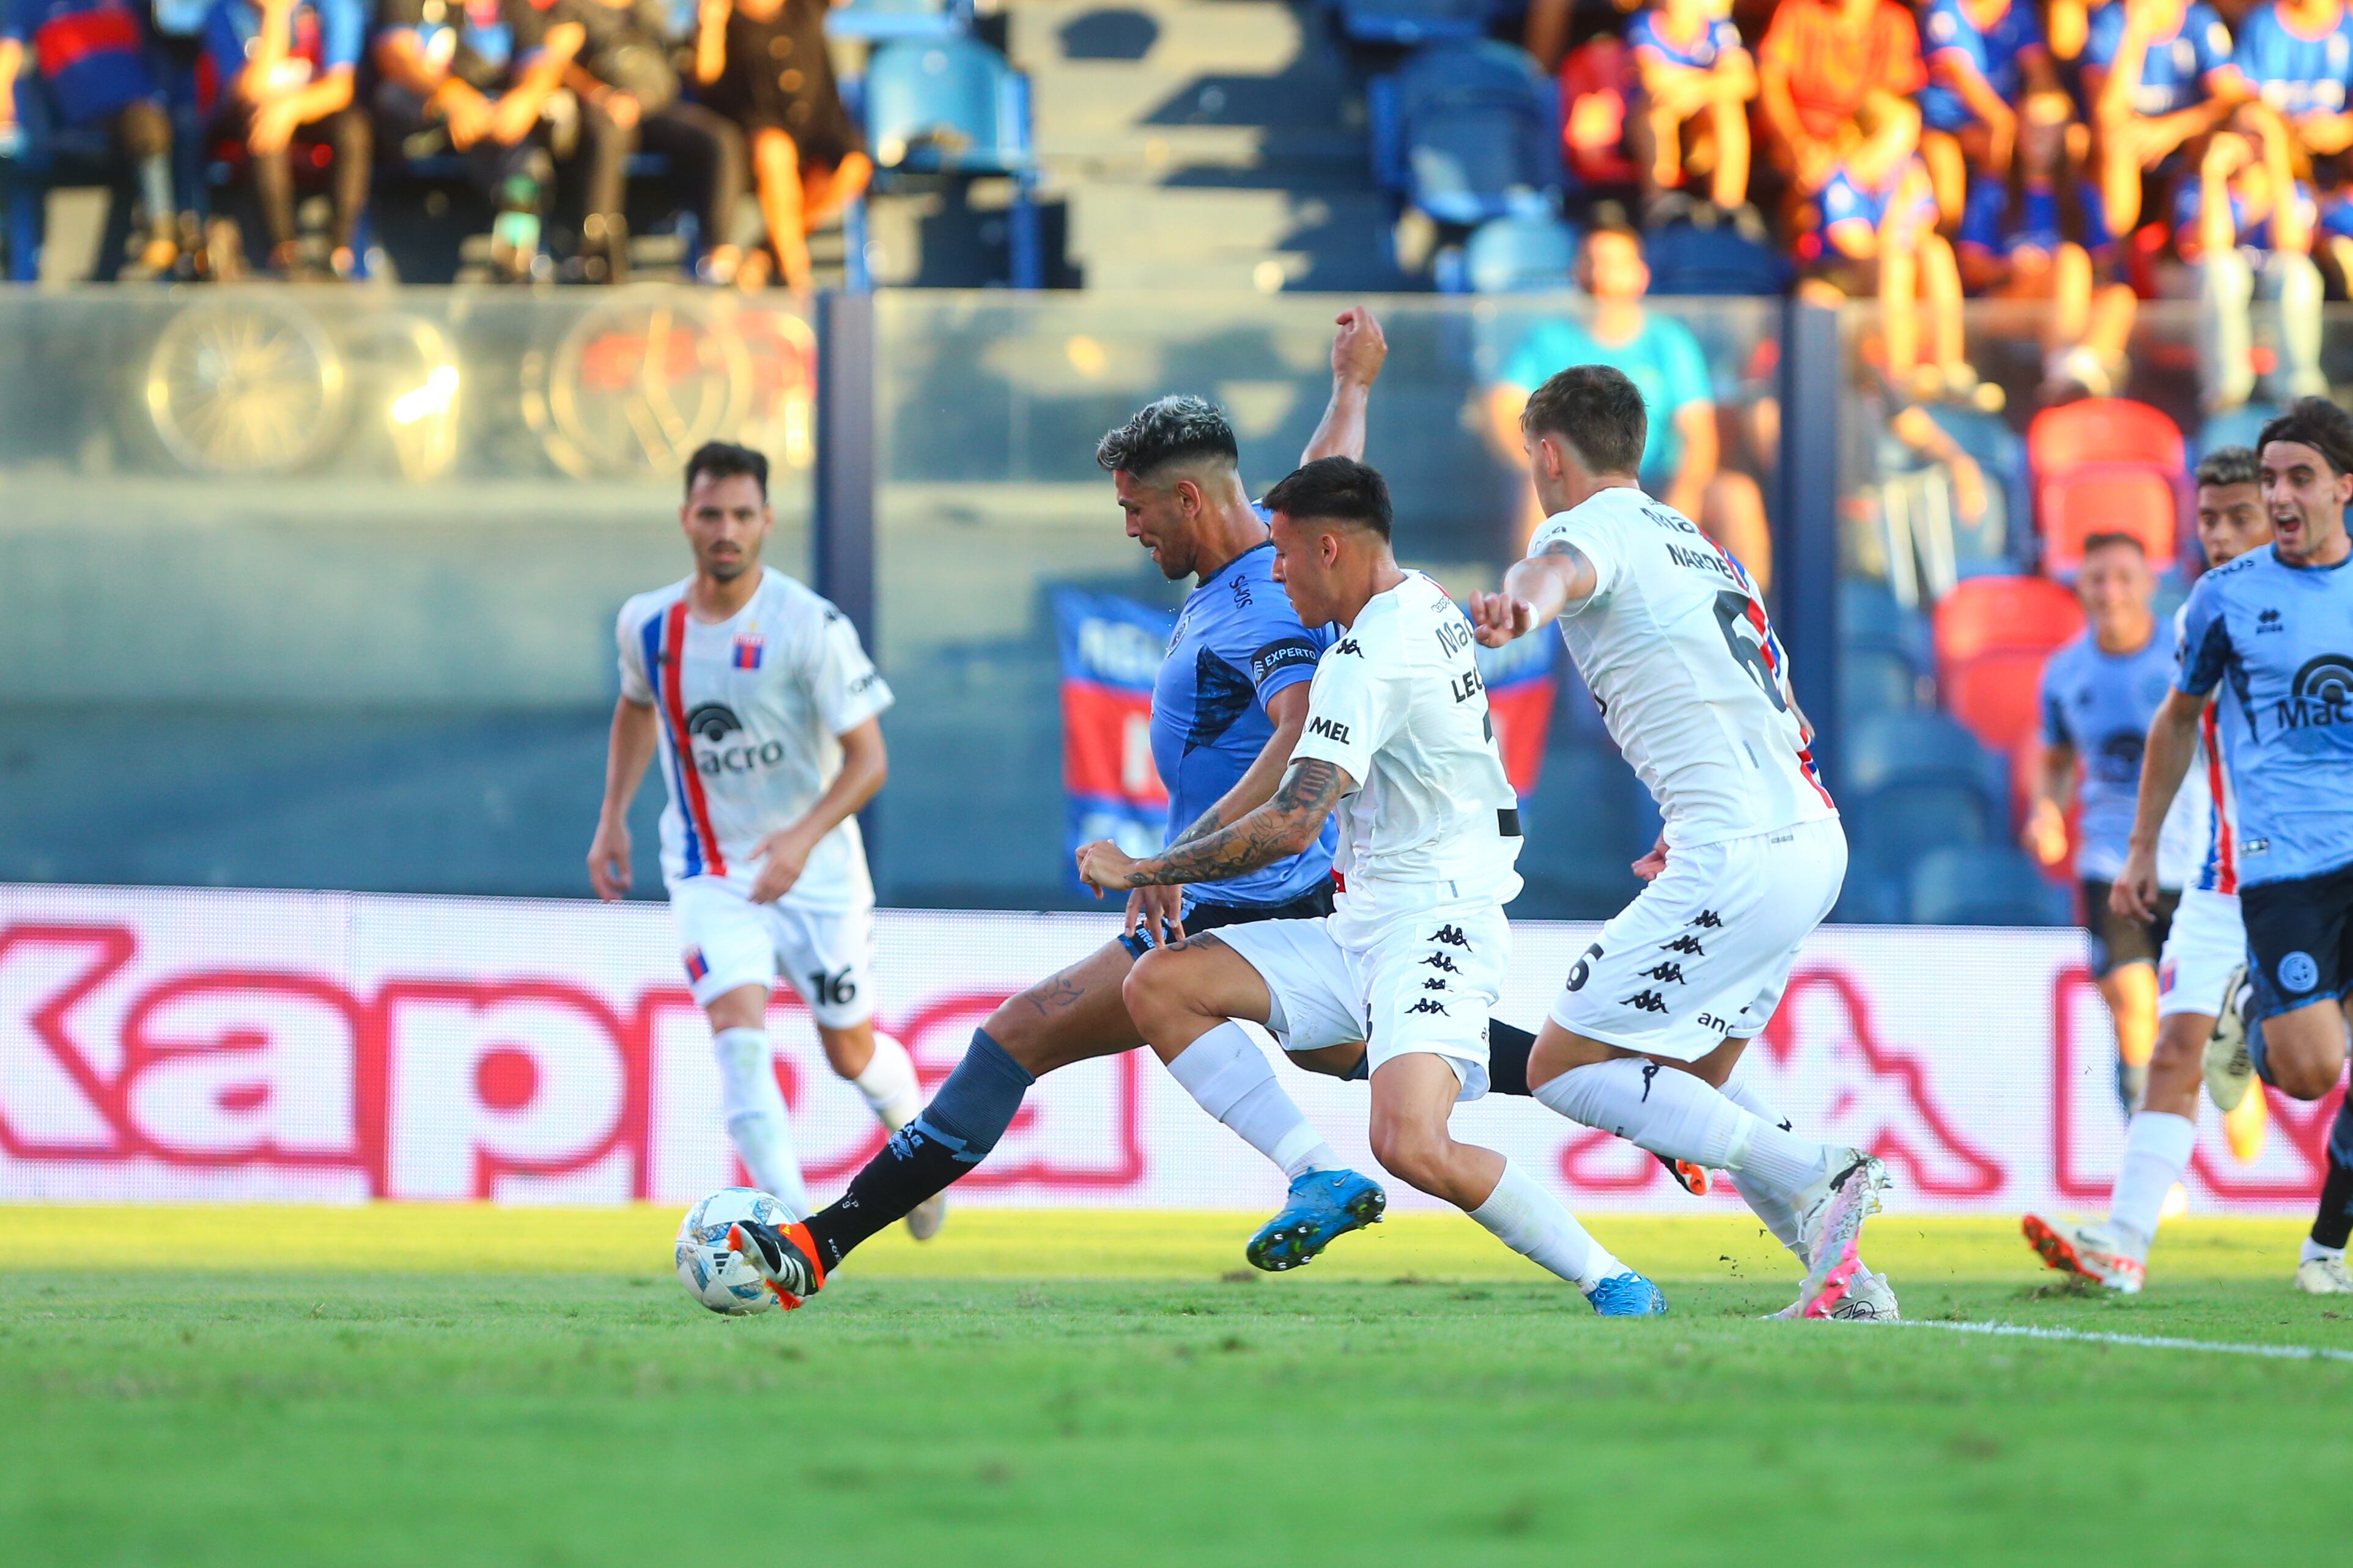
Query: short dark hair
(2230, 465)
(1167, 430)
(1598, 411)
(2316, 423)
(2107, 537)
(724, 460)
(1340, 489)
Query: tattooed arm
(1283, 826)
(1288, 709)
(1538, 589)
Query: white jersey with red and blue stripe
(750, 711)
(2199, 825)
(1692, 680)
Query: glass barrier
(1019, 627)
(316, 587)
(1964, 511)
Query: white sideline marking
(2137, 1342)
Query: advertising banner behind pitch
(160, 1044)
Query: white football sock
(889, 1085)
(1531, 1223)
(2313, 1250)
(756, 1119)
(1780, 1214)
(1226, 1072)
(1672, 1112)
(2157, 1150)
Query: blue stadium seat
(1870, 617)
(1467, 131)
(1890, 827)
(1531, 253)
(1875, 679)
(882, 21)
(1871, 900)
(953, 106)
(1688, 261)
(1411, 22)
(1988, 885)
(1921, 749)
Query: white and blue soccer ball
(712, 1274)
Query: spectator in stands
(1695, 74)
(1821, 63)
(281, 73)
(1598, 87)
(90, 58)
(2034, 236)
(1986, 62)
(2296, 56)
(2247, 224)
(475, 76)
(763, 64)
(2099, 693)
(1659, 354)
(2158, 76)
(629, 98)
(1876, 235)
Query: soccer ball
(711, 1273)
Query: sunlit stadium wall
(160, 1045)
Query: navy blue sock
(953, 1134)
(2333, 1222)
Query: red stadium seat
(2106, 465)
(1996, 695)
(1984, 614)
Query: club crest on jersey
(696, 968)
(749, 648)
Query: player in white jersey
(763, 709)
(2205, 947)
(1669, 632)
(1400, 743)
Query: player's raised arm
(1283, 826)
(626, 753)
(2164, 763)
(1536, 590)
(1358, 349)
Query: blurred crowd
(225, 115)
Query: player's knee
(1154, 990)
(2306, 1074)
(1411, 1150)
(2180, 1048)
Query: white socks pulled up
(1531, 1223)
(756, 1119)
(1229, 1076)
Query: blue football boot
(1627, 1295)
(1323, 1206)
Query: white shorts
(1704, 953)
(2206, 943)
(1425, 983)
(731, 942)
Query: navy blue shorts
(2299, 941)
(1312, 905)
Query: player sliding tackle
(1668, 630)
(1400, 743)
(1230, 704)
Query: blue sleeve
(1683, 365)
(2205, 641)
(342, 26)
(2055, 707)
(1284, 661)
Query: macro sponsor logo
(2321, 694)
(714, 723)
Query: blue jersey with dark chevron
(1238, 642)
(2280, 638)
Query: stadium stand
(1466, 131)
(951, 106)
(2107, 465)
(1519, 253)
(1988, 885)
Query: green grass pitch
(443, 1386)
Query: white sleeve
(1595, 538)
(847, 688)
(637, 682)
(1350, 711)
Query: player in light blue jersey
(2272, 631)
(2099, 692)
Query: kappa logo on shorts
(1687, 945)
(1666, 969)
(1440, 961)
(1451, 936)
(1426, 1006)
(1646, 1001)
(1433, 986)
(1707, 920)
(1650, 1076)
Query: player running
(2277, 623)
(1228, 706)
(2204, 944)
(765, 710)
(1669, 632)
(1399, 747)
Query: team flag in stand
(1111, 649)
(1520, 688)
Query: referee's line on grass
(2137, 1342)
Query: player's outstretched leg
(2321, 1270)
